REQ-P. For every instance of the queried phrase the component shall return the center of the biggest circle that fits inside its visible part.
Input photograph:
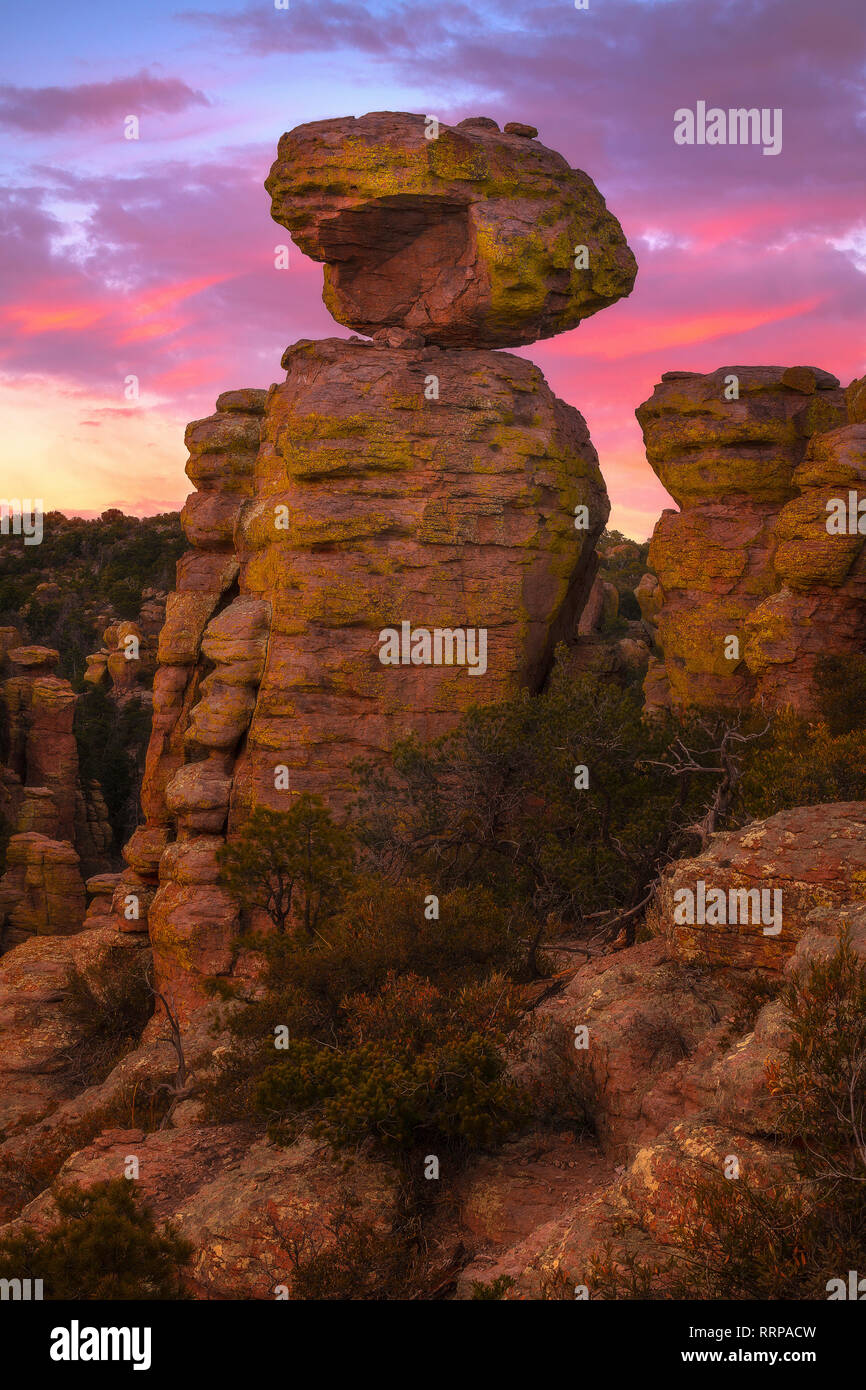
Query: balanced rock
(467, 235)
(394, 534)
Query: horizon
(154, 257)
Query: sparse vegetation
(395, 1021)
(787, 1237)
(93, 567)
(104, 1244)
(291, 865)
(108, 1006)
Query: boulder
(471, 237)
(246, 1206)
(811, 857)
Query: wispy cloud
(50, 110)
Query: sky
(154, 258)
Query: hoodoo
(421, 477)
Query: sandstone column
(421, 478)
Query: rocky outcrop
(36, 1034)
(820, 608)
(600, 608)
(466, 236)
(60, 826)
(209, 677)
(42, 891)
(42, 749)
(246, 1207)
(737, 468)
(771, 876)
(674, 1068)
(396, 531)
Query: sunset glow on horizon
(153, 258)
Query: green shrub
(105, 1244)
(841, 681)
(492, 1292)
(802, 764)
(291, 864)
(821, 1082)
(455, 1093)
(495, 802)
(379, 985)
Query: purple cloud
(38, 110)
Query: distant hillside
(623, 563)
(83, 576)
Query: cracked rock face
(468, 239)
(813, 856)
(820, 607)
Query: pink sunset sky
(154, 257)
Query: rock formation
(467, 236)
(419, 485)
(805, 858)
(126, 661)
(678, 1077)
(678, 1081)
(36, 1036)
(820, 609)
(60, 830)
(750, 555)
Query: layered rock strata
(738, 470)
(180, 799)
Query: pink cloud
(41, 110)
(173, 278)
